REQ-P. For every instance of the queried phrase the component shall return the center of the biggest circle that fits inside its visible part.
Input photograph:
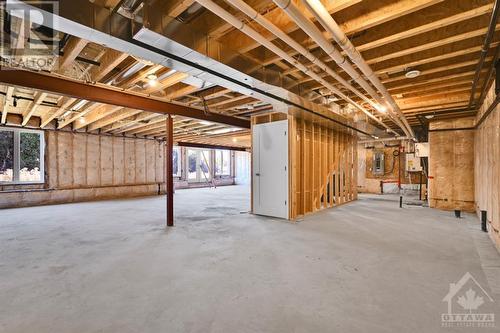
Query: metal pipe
(484, 88)
(326, 20)
(309, 28)
(484, 220)
(169, 178)
(398, 138)
(485, 49)
(257, 17)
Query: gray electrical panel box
(378, 163)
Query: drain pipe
(309, 28)
(326, 20)
(225, 15)
(484, 50)
(257, 17)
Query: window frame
(17, 156)
(179, 159)
(222, 174)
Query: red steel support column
(169, 178)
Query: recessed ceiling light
(411, 74)
(82, 120)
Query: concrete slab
(110, 266)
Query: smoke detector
(411, 74)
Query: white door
(270, 169)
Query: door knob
(257, 174)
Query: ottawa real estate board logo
(469, 305)
(29, 37)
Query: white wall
(242, 167)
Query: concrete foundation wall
(487, 167)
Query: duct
(308, 27)
(257, 17)
(86, 20)
(326, 20)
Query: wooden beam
(437, 70)
(179, 7)
(109, 61)
(427, 27)
(382, 14)
(117, 114)
(427, 46)
(403, 67)
(38, 99)
(72, 49)
(5, 105)
(138, 121)
(166, 82)
(109, 95)
(95, 115)
(66, 103)
(244, 44)
(181, 92)
(90, 106)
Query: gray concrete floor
(110, 266)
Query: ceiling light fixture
(82, 120)
(382, 108)
(411, 74)
(429, 116)
(152, 79)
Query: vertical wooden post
(169, 178)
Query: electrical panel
(413, 163)
(378, 163)
(422, 149)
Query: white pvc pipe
(326, 20)
(309, 28)
(257, 17)
(235, 22)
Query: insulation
(487, 167)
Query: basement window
(21, 156)
(222, 163)
(176, 160)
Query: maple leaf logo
(470, 301)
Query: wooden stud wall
(323, 164)
(487, 167)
